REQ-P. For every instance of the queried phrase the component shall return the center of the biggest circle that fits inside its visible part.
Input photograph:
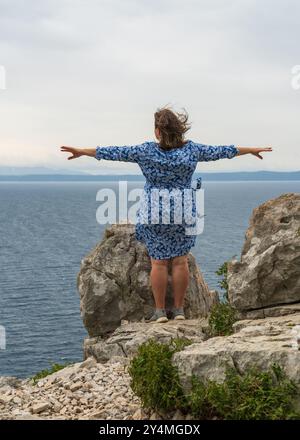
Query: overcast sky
(93, 72)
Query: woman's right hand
(76, 152)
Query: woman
(168, 163)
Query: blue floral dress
(166, 169)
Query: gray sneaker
(178, 313)
(158, 316)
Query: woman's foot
(178, 313)
(158, 316)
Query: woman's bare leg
(159, 281)
(180, 279)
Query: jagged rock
(5, 399)
(126, 339)
(259, 342)
(88, 363)
(40, 407)
(114, 284)
(267, 279)
(75, 386)
(9, 381)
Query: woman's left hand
(256, 151)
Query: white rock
(5, 399)
(76, 386)
(268, 341)
(40, 407)
(90, 362)
(138, 415)
(57, 407)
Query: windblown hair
(172, 127)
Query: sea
(46, 229)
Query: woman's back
(167, 168)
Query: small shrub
(221, 319)
(255, 395)
(222, 271)
(43, 373)
(154, 379)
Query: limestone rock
(267, 278)
(138, 415)
(5, 399)
(9, 381)
(114, 284)
(260, 342)
(88, 363)
(75, 386)
(40, 407)
(126, 339)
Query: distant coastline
(222, 176)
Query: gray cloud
(92, 73)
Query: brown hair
(172, 126)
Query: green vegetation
(222, 271)
(221, 319)
(254, 395)
(222, 315)
(43, 373)
(153, 377)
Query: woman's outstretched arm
(78, 152)
(134, 153)
(215, 152)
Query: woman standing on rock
(167, 164)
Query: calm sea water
(45, 231)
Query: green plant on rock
(46, 372)
(223, 272)
(221, 319)
(154, 379)
(223, 283)
(254, 395)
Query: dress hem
(170, 256)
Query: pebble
(5, 399)
(75, 386)
(40, 407)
